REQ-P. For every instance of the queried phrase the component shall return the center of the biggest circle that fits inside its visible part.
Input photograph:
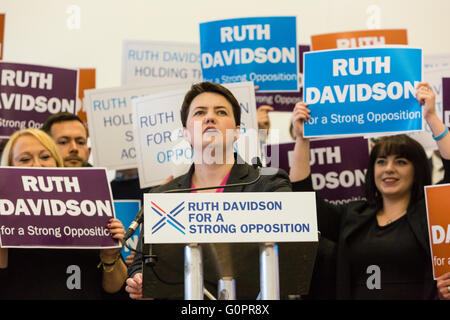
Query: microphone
(134, 225)
(140, 216)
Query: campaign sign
(126, 211)
(161, 148)
(436, 61)
(284, 101)
(86, 81)
(357, 39)
(32, 93)
(154, 62)
(360, 91)
(2, 34)
(55, 208)
(109, 114)
(230, 217)
(446, 100)
(338, 166)
(258, 49)
(438, 214)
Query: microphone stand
(193, 272)
(269, 276)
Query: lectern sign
(230, 217)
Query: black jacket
(338, 223)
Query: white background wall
(89, 33)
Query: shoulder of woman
(274, 179)
(176, 183)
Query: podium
(258, 243)
(165, 280)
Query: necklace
(394, 217)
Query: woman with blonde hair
(29, 148)
(44, 152)
(49, 274)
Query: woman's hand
(443, 286)
(134, 286)
(117, 231)
(427, 99)
(300, 114)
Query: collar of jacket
(240, 172)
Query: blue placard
(126, 211)
(261, 49)
(358, 91)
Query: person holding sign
(211, 115)
(61, 274)
(383, 243)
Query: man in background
(70, 135)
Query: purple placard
(338, 166)
(446, 100)
(29, 94)
(284, 101)
(55, 208)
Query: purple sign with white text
(29, 94)
(55, 208)
(446, 100)
(338, 166)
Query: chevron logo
(168, 218)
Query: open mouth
(390, 180)
(210, 130)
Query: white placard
(247, 146)
(109, 113)
(436, 61)
(230, 217)
(161, 149)
(156, 62)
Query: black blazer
(276, 180)
(338, 223)
(272, 180)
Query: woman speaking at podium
(211, 115)
(383, 249)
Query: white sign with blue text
(258, 49)
(111, 123)
(162, 150)
(362, 91)
(157, 62)
(230, 217)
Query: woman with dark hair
(210, 116)
(383, 249)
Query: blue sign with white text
(126, 211)
(259, 49)
(359, 91)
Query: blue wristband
(443, 134)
